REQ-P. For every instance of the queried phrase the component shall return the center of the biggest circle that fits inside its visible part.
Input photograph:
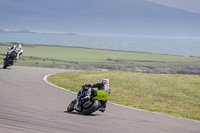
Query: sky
(188, 5)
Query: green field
(93, 55)
(95, 59)
(177, 95)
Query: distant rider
(102, 86)
(18, 49)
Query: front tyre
(70, 107)
(4, 66)
(7, 63)
(92, 108)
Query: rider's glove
(86, 97)
(88, 85)
(84, 87)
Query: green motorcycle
(90, 104)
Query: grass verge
(176, 95)
(96, 59)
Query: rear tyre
(92, 108)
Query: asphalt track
(29, 105)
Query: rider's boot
(103, 106)
(13, 62)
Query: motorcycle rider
(18, 49)
(102, 86)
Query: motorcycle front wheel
(70, 107)
(6, 63)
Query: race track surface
(29, 105)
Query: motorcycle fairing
(101, 95)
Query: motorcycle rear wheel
(92, 108)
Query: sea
(181, 46)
